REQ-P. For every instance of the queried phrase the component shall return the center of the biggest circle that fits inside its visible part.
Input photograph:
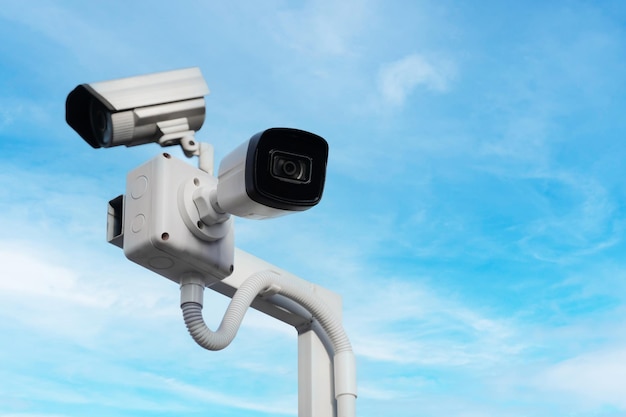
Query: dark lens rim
(302, 166)
(101, 123)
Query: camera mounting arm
(177, 132)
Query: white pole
(315, 376)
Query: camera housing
(161, 107)
(276, 172)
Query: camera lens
(101, 123)
(291, 167)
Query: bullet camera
(162, 107)
(276, 172)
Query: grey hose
(343, 363)
(227, 330)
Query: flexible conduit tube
(343, 363)
(298, 310)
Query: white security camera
(162, 107)
(276, 172)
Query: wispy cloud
(574, 216)
(20, 114)
(91, 52)
(8, 113)
(399, 79)
(593, 379)
(409, 323)
(323, 29)
(285, 406)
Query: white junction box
(158, 225)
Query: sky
(473, 219)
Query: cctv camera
(162, 107)
(276, 172)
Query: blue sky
(473, 219)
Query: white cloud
(29, 276)
(323, 28)
(398, 79)
(98, 45)
(281, 406)
(408, 322)
(575, 216)
(8, 114)
(15, 113)
(593, 379)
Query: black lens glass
(101, 122)
(291, 167)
